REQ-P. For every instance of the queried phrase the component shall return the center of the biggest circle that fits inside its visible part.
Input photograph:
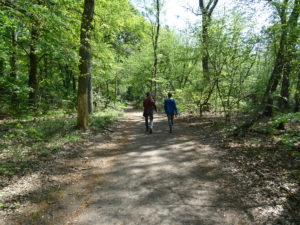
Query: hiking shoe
(150, 131)
(147, 129)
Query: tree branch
(212, 8)
(24, 49)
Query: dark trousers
(147, 117)
(170, 119)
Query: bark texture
(206, 12)
(85, 64)
(285, 56)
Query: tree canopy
(221, 61)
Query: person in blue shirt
(170, 110)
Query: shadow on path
(165, 178)
(160, 178)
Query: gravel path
(132, 177)
(164, 178)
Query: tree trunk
(285, 85)
(116, 89)
(283, 58)
(290, 55)
(266, 107)
(155, 47)
(1, 67)
(33, 66)
(206, 11)
(85, 64)
(13, 59)
(13, 66)
(90, 95)
(205, 56)
(275, 76)
(297, 95)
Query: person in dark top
(170, 110)
(149, 107)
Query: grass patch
(101, 120)
(25, 143)
(2, 205)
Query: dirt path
(138, 178)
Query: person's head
(169, 94)
(148, 94)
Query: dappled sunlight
(163, 178)
(133, 177)
(21, 187)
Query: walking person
(170, 110)
(149, 107)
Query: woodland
(69, 68)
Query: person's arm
(154, 105)
(176, 111)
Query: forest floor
(128, 176)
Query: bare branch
(213, 7)
(190, 8)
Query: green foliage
(28, 142)
(241, 59)
(100, 120)
(286, 118)
(291, 123)
(2, 205)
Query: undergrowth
(25, 143)
(273, 140)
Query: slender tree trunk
(85, 64)
(116, 89)
(90, 94)
(297, 95)
(283, 58)
(1, 67)
(13, 65)
(33, 66)
(275, 77)
(73, 82)
(266, 106)
(285, 85)
(13, 60)
(205, 56)
(293, 33)
(155, 47)
(206, 11)
(46, 67)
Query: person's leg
(151, 122)
(170, 122)
(146, 122)
(169, 119)
(172, 119)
